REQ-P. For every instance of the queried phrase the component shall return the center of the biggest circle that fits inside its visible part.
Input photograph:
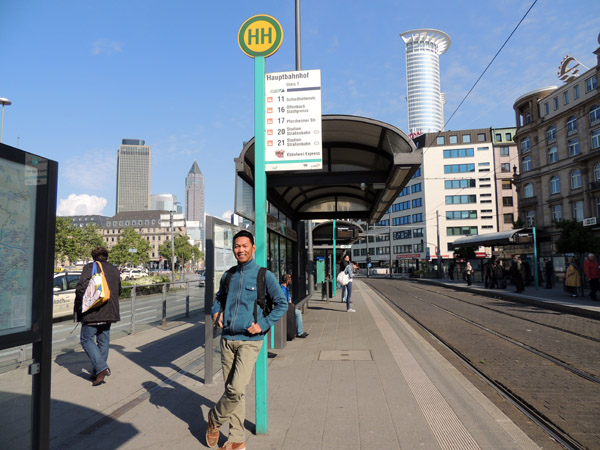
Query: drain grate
(345, 355)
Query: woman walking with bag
(349, 270)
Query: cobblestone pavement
(571, 402)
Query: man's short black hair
(244, 233)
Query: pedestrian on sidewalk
(96, 322)
(572, 278)
(592, 272)
(242, 337)
(549, 273)
(469, 274)
(343, 264)
(518, 274)
(286, 281)
(349, 270)
(451, 270)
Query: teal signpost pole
(259, 37)
(535, 260)
(334, 271)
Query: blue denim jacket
(239, 306)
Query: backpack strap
(229, 273)
(260, 292)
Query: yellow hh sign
(260, 35)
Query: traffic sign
(293, 121)
(133, 250)
(260, 35)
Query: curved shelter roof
(366, 163)
(346, 232)
(501, 238)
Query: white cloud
(227, 215)
(79, 205)
(107, 47)
(104, 164)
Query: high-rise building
(194, 194)
(425, 99)
(133, 176)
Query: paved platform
(363, 380)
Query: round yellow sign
(260, 35)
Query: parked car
(132, 274)
(201, 279)
(64, 293)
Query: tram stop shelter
(366, 163)
(519, 241)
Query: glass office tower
(425, 100)
(133, 176)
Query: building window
(566, 97)
(551, 134)
(461, 215)
(480, 137)
(526, 164)
(578, 211)
(480, 149)
(528, 190)
(555, 103)
(417, 187)
(596, 138)
(555, 184)
(453, 140)
(525, 145)
(505, 167)
(459, 153)
(417, 173)
(459, 168)
(530, 218)
(546, 108)
(571, 125)
(556, 213)
(459, 184)
(594, 115)
(509, 218)
(466, 138)
(508, 136)
(498, 137)
(597, 172)
(552, 154)
(460, 199)
(417, 202)
(461, 231)
(576, 92)
(506, 185)
(507, 201)
(575, 179)
(597, 206)
(591, 84)
(573, 147)
(504, 151)
(417, 217)
(440, 140)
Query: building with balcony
(558, 139)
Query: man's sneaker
(234, 446)
(212, 433)
(303, 335)
(351, 310)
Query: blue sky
(82, 75)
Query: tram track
(526, 405)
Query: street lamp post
(4, 102)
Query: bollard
(164, 305)
(133, 297)
(187, 299)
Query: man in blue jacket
(241, 338)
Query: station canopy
(346, 233)
(366, 163)
(499, 239)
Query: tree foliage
(73, 243)
(184, 251)
(575, 238)
(120, 254)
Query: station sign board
(589, 221)
(178, 220)
(293, 121)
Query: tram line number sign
(293, 121)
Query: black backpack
(262, 299)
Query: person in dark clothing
(499, 275)
(518, 274)
(527, 270)
(549, 273)
(451, 270)
(96, 322)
